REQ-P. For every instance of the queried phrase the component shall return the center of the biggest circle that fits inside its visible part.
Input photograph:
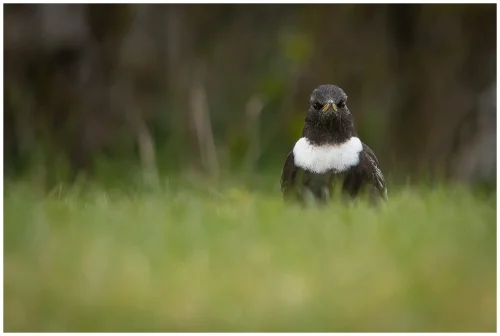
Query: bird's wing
(288, 175)
(375, 173)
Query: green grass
(237, 259)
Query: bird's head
(328, 102)
(328, 120)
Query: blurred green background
(143, 146)
(225, 87)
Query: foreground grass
(236, 260)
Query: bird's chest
(327, 159)
(314, 180)
(310, 185)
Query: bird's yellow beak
(327, 106)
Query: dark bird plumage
(330, 149)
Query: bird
(330, 151)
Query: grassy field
(238, 259)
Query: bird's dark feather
(288, 175)
(367, 172)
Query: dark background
(218, 88)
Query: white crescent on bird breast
(321, 159)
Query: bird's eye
(317, 105)
(341, 104)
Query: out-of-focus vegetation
(225, 87)
(195, 257)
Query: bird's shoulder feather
(372, 168)
(288, 172)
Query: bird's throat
(334, 130)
